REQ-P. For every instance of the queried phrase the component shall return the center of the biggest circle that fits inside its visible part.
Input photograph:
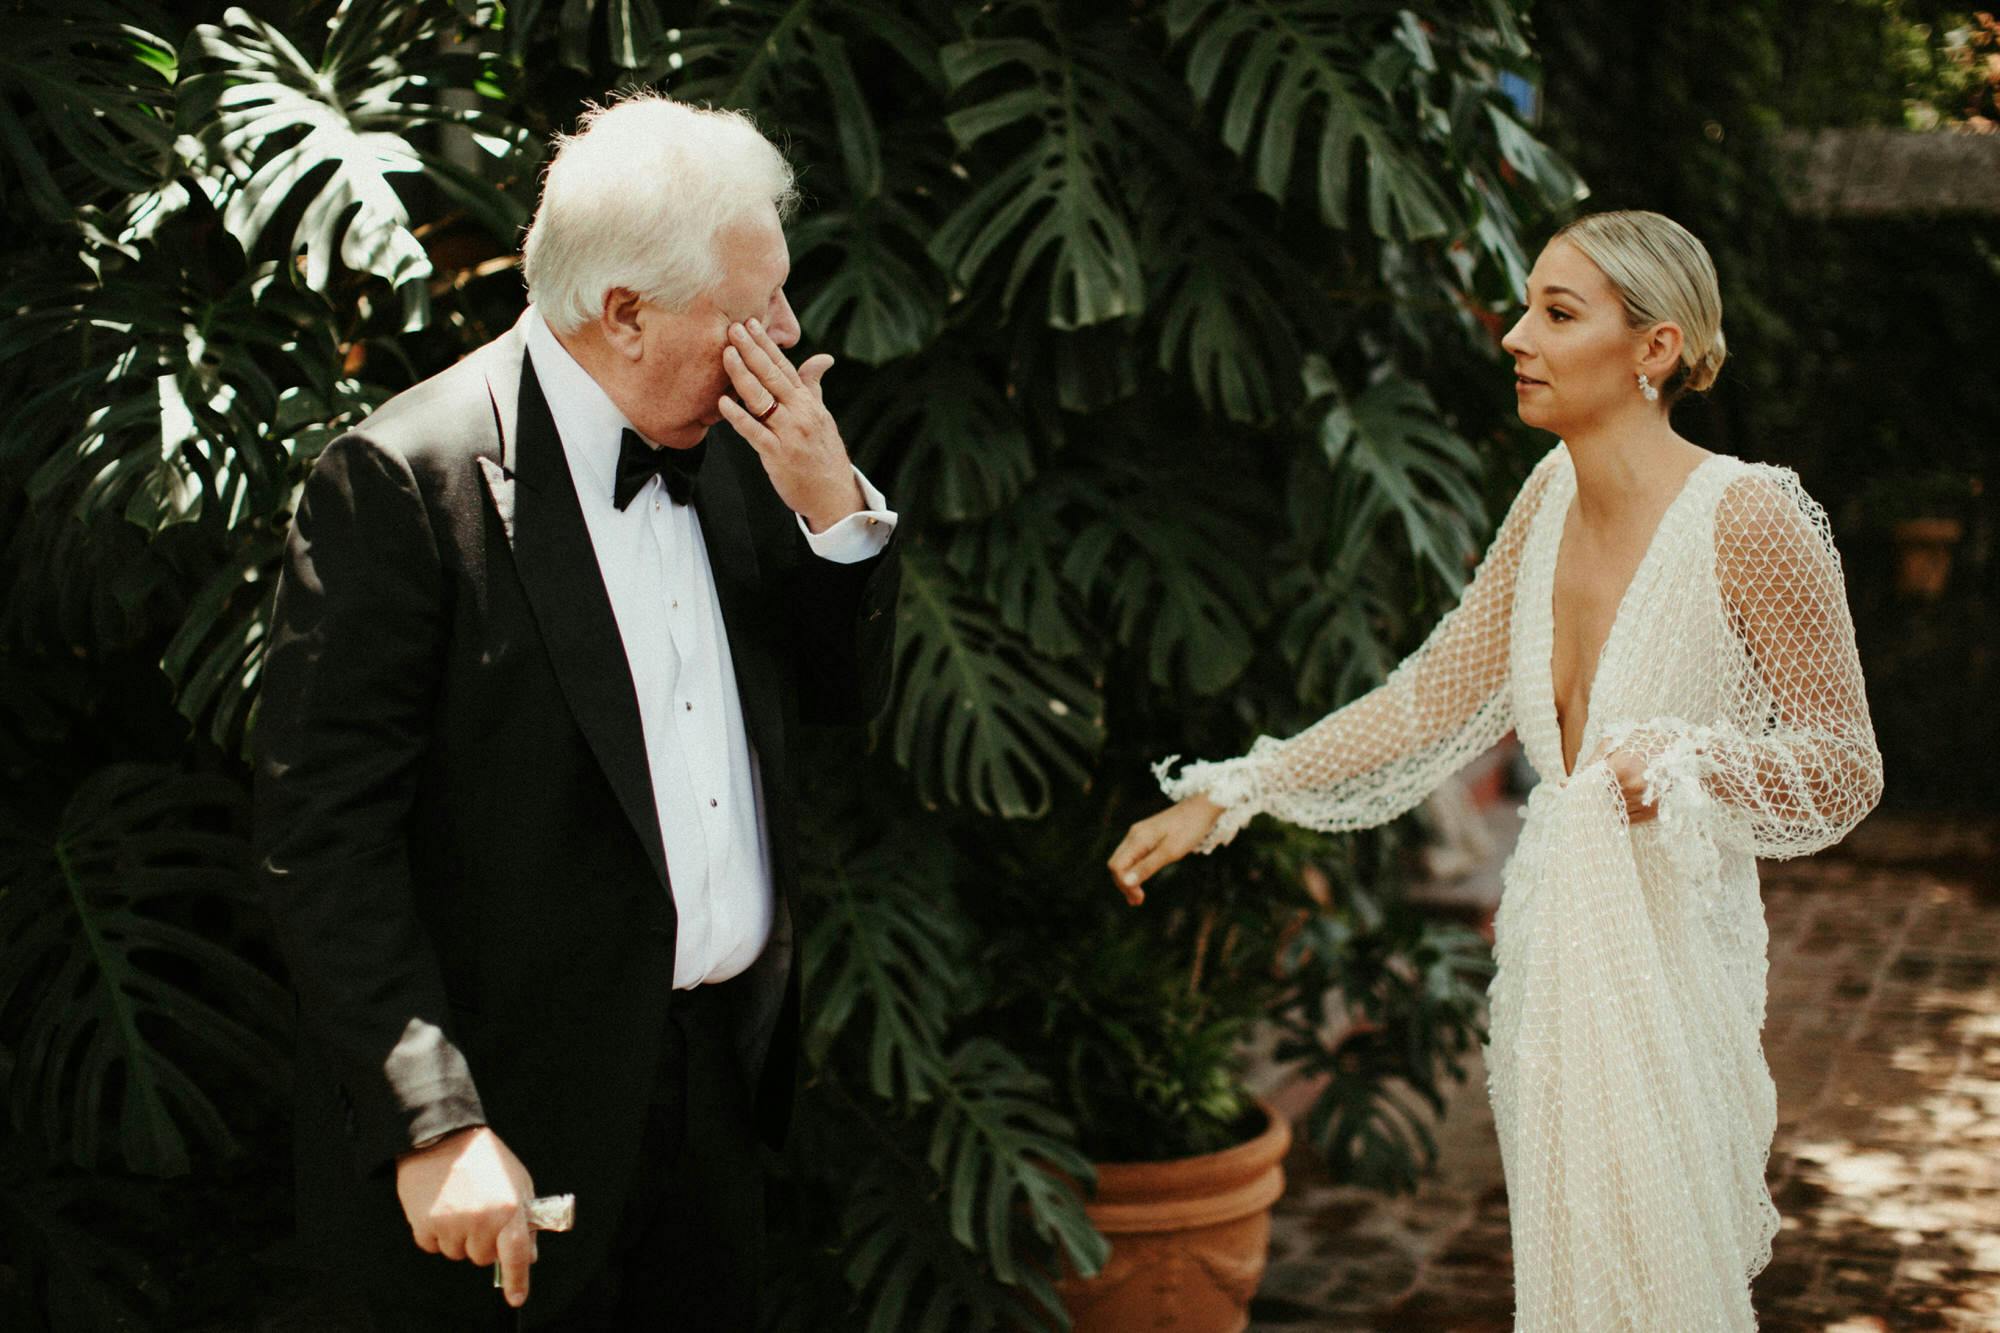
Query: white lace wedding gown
(1634, 1107)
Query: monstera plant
(1164, 325)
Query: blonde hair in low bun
(1664, 276)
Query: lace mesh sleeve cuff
(1230, 783)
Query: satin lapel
(504, 358)
(725, 530)
(558, 568)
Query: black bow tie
(638, 460)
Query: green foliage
(1057, 198)
(1392, 456)
(1000, 1150)
(67, 1275)
(959, 449)
(978, 716)
(929, 1282)
(1411, 996)
(117, 992)
(1156, 324)
(1158, 566)
(887, 944)
(1292, 62)
(1148, 1057)
(97, 83)
(318, 140)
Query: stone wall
(1880, 173)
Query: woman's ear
(622, 322)
(1660, 352)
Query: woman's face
(1576, 360)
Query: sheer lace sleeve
(1793, 767)
(1370, 761)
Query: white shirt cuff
(859, 536)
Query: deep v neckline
(1646, 556)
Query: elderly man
(524, 814)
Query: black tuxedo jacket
(456, 829)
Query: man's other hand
(462, 1197)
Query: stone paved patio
(1884, 1038)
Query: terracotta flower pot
(1189, 1239)
(1923, 555)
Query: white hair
(636, 198)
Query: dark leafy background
(1169, 327)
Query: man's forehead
(755, 242)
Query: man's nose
(784, 324)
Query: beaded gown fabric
(1632, 1100)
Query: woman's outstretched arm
(1368, 762)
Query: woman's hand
(1630, 770)
(1157, 842)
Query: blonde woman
(1667, 631)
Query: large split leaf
(760, 55)
(811, 72)
(193, 391)
(125, 1004)
(1222, 309)
(1334, 633)
(888, 949)
(216, 657)
(1282, 66)
(316, 142)
(1391, 453)
(744, 51)
(956, 448)
(980, 718)
(1002, 1152)
(1017, 557)
(1059, 200)
(913, 1274)
(100, 86)
(885, 299)
(962, 1237)
(1167, 566)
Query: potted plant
(1142, 1022)
(1924, 516)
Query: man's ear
(1660, 352)
(622, 321)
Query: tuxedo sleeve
(844, 644)
(356, 651)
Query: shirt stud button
(688, 706)
(711, 803)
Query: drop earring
(1646, 389)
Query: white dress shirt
(655, 566)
